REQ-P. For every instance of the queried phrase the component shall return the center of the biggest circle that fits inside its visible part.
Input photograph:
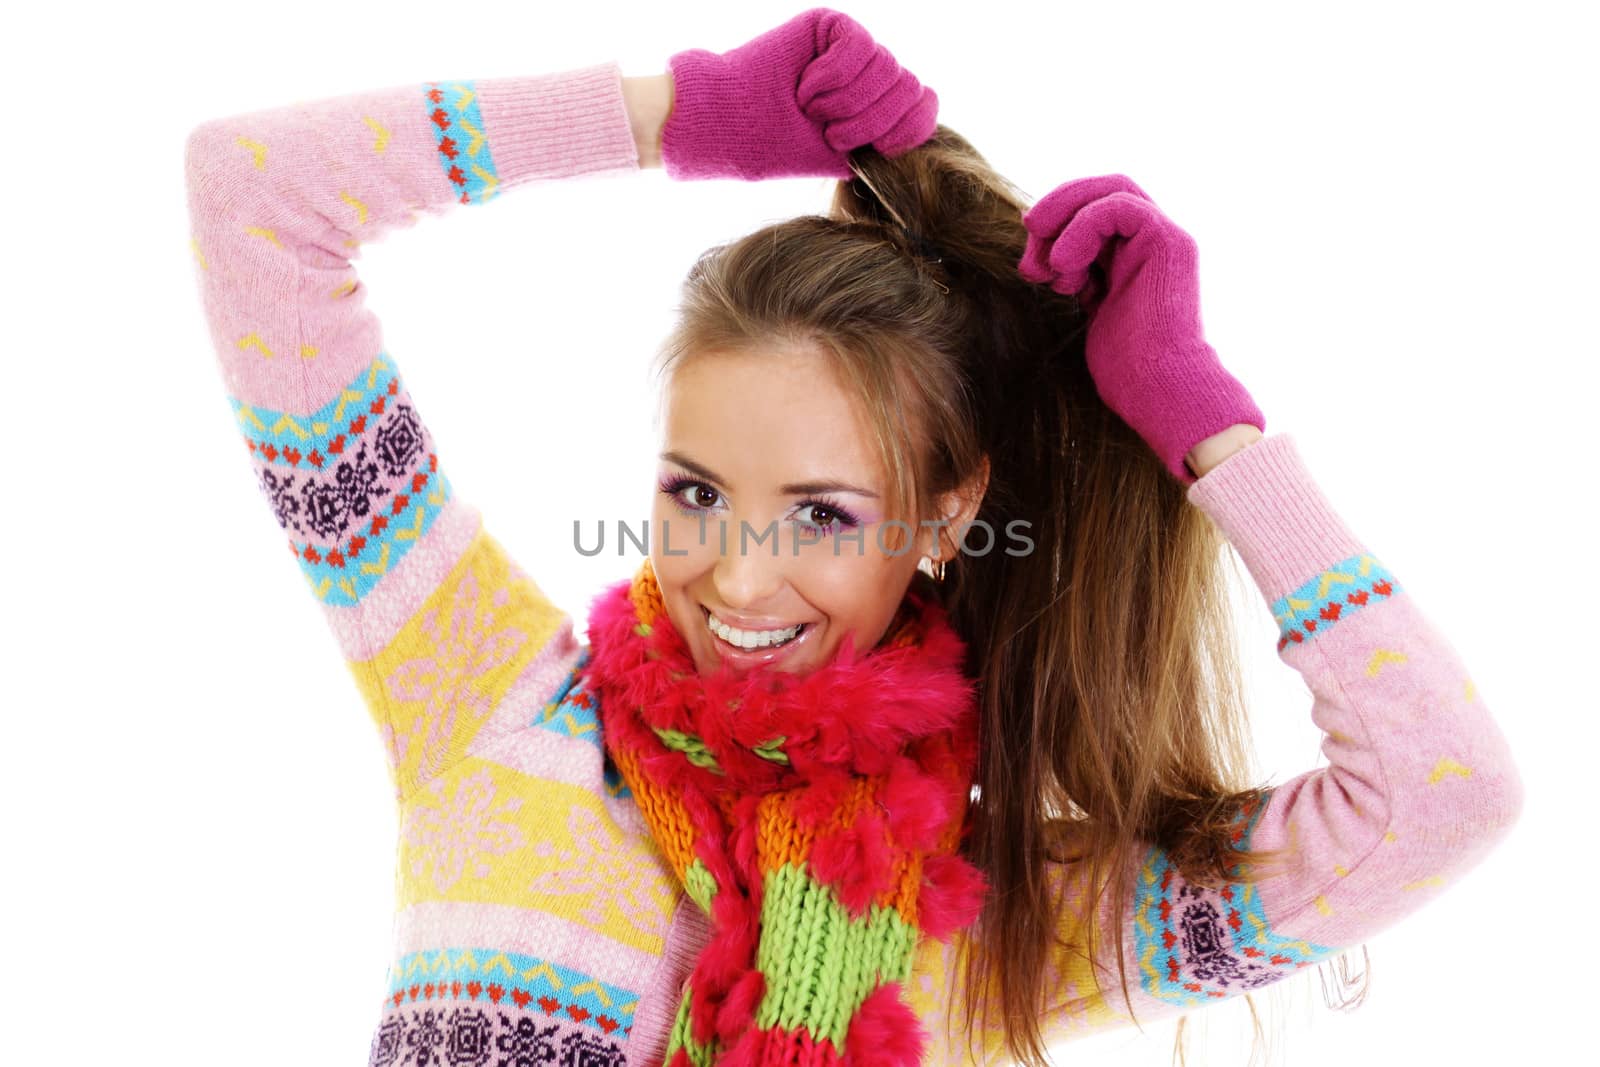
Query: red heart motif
(358, 424)
(1294, 635)
(1310, 625)
(1193, 987)
(427, 991)
(413, 991)
(377, 406)
(316, 459)
(418, 480)
(336, 445)
(400, 503)
(398, 997)
(1253, 951)
(1280, 959)
(474, 988)
(607, 1023)
(1168, 938)
(549, 1004)
(1358, 598)
(292, 455)
(577, 1012)
(455, 989)
(1331, 610)
(1382, 588)
(521, 996)
(496, 992)
(269, 451)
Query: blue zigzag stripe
(317, 431)
(322, 441)
(461, 140)
(566, 715)
(1332, 596)
(511, 971)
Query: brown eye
(705, 496)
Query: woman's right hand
(793, 102)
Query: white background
(1395, 206)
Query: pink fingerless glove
(792, 102)
(1136, 273)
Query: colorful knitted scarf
(814, 818)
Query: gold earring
(936, 569)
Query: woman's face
(772, 501)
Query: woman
(919, 723)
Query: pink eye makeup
(827, 515)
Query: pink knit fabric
(1146, 347)
(563, 929)
(794, 101)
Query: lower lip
(754, 657)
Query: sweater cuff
(1273, 513)
(560, 125)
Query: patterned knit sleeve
(437, 624)
(1420, 783)
(1420, 786)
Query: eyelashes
(834, 515)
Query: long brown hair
(1111, 709)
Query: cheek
(855, 590)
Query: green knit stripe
(772, 750)
(700, 885)
(819, 963)
(692, 747)
(699, 1055)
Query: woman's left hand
(1136, 274)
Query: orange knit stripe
(780, 840)
(646, 595)
(664, 814)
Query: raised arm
(1419, 788)
(438, 625)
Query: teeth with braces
(751, 639)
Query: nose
(749, 573)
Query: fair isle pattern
(494, 858)
(485, 1034)
(355, 484)
(572, 711)
(1336, 593)
(496, 976)
(460, 138)
(1196, 944)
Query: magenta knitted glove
(792, 103)
(1135, 273)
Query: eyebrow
(792, 489)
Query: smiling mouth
(751, 640)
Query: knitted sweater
(536, 917)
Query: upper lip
(750, 624)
